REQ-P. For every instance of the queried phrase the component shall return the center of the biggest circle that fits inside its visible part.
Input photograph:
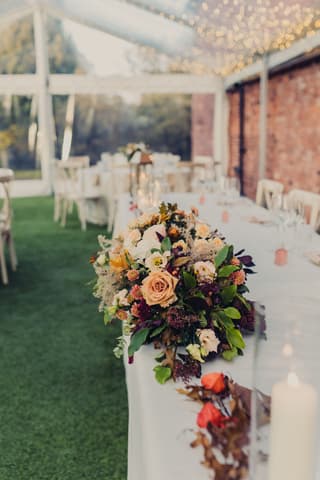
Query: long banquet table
(160, 420)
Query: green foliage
(157, 331)
(228, 294)
(221, 256)
(166, 244)
(235, 338)
(162, 374)
(227, 270)
(189, 280)
(232, 313)
(230, 354)
(138, 339)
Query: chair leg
(57, 208)
(12, 252)
(3, 265)
(64, 212)
(82, 215)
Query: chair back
(266, 190)
(68, 175)
(6, 177)
(309, 202)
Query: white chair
(6, 238)
(70, 177)
(266, 190)
(120, 183)
(309, 202)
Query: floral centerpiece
(132, 148)
(173, 281)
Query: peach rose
(158, 289)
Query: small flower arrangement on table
(173, 281)
(132, 148)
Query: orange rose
(214, 382)
(158, 288)
(118, 262)
(209, 414)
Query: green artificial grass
(63, 406)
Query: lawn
(63, 404)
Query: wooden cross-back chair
(6, 237)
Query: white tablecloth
(97, 186)
(161, 420)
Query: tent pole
(263, 117)
(219, 130)
(45, 113)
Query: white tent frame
(44, 85)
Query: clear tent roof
(216, 36)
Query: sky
(105, 53)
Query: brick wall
(293, 144)
(202, 124)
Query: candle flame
(293, 379)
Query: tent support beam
(263, 117)
(45, 113)
(220, 131)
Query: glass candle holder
(286, 368)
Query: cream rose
(217, 244)
(101, 260)
(205, 271)
(202, 248)
(159, 289)
(208, 340)
(202, 230)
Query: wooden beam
(19, 84)
(149, 83)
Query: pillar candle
(293, 430)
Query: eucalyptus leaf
(232, 313)
(162, 374)
(221, 256)
(137, 340)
